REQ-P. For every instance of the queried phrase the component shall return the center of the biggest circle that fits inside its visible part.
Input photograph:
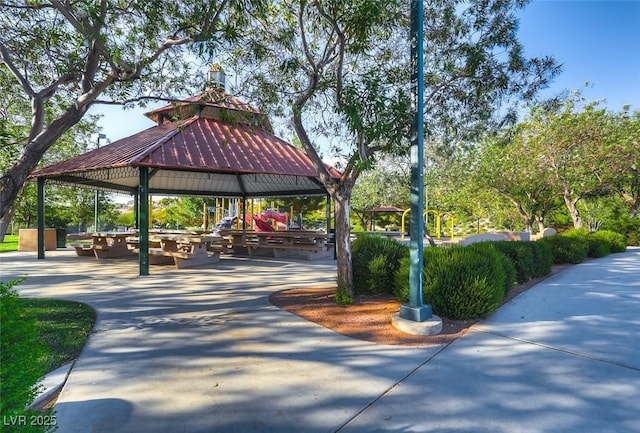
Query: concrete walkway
(202, 350)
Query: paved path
(202, 350)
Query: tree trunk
(541, 226)
(14, 179)
(341, 198)
(5, 221)
(526, 217)
(573, 209)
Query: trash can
(61, 238)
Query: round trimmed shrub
(401, 280)
(463, 283)
(507, 263)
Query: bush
(507, 263)
(628, 227)
(566, 249)
(521, 255)
(458, 282)
(21, 354)
(615, 241)
(463, 283)
(401, 281)
(542, 259)
(375, 262)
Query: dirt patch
(369, 318)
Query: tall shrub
(542, 259)
(375, 262)
(506, 262)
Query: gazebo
(212, 144)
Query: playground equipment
(438, 215)
(228, 214)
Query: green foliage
(614, 241)
(375, 261)
(567, 249)
(599, 243)
(10, 243)
(401, 280)
(63, 326)
(463, 283)
(459, 282)
(342, 296)
(506, 262)
(542, 259)
(522, 257)
(629, 227)
(21, 355)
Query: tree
(63, 57)
(562, 152)
(507, 164)
(339, 70)
(624, 157)
(13, 130)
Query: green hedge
(529, 259)
(615, 241)
(542, 259)
(521, 255)
(628, 227)
(567, 249)
(599, 243)
(20, 360)
(375, 261)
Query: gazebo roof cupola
(213, 103)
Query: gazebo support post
(136, 221)
(143, 220)
(40, 218)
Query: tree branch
(24, 82)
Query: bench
(308, 251)
(183, 259)
(112, 251)
(83, 250)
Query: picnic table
(106, 245)
(308, 244)
(184, 250)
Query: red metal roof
(196, 156)
(213, 145)
(197, 144)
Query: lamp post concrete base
(431, 326)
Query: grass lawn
(62, 325)
(10, 244)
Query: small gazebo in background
(381, 210)
(212, 144)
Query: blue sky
(596, 41)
